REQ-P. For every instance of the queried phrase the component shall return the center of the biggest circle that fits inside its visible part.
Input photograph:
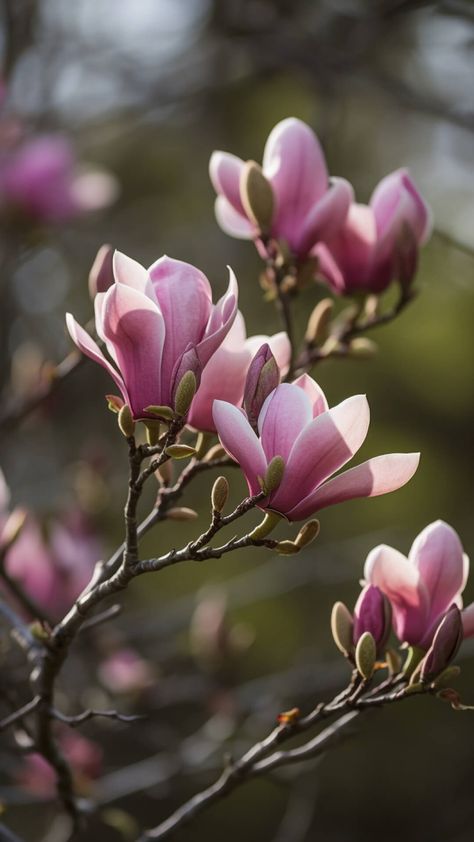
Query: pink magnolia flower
(84, 756)
(308, 207)
(314, 442)
(423, 586)
(157, 324)
(224, 376)
(41, 178)
(125, 671)
(379, 241)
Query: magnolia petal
(231, 221)
(438, 555)
(314, 393)
(221, 319)
(327, 216)
(225, 171)
(283, 416)
(89, 347)
(240, 442)
(132, 274)
(379, 475)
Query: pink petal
(348, 257)
(284, 414)
(438, 554)
(468, 620)
(231, 221)
(89, 347)
(132, 274)
(220, 321)
(396, 199)
(314, 393)
(225, 171)
(294, 163)
(370, 479)
(327, 215)
(394, 574)
(240, 442)
(135, 332)
(322, 447)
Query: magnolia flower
(41, 178)
(157, 324)
(314, 442)
(378, 242)
(307, 207)
(224, 376)
(423, 586)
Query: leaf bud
(180, 451)
(307, 533)
(256, 195)
(153, 430)
(341, 628)
(126, 422)
(185, 392)
(270, 520)
(366, 655)
(219, 494)
(163, 412)
(317, 330)
(287, 548)
(181, 513)
(273, 475)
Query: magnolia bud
(163, 412)
(319, 322)
(126, 422)
(101, 275)
(256, 195)
(365, 655)
(262, 378)
(219, 494)
(341, 628)
(180, 451)
(373, 613)
(181, 513)
(185, 392)
(307, 533)
(445, 646)
(264, 528)
(273, 475)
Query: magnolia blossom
(379, 241)
(308, 207)
(156, 324)
(423, 586)
(224, 376)
(314, 442)
(372, 613)
(40, 177)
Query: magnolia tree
(191, 388)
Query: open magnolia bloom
(157, 324)
(378, 242)
(307, 207)
(423, 586)
(224, 376)
(314, 442)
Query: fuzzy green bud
(307, 533)
(185, 393)
(126, 422)
(365, 655)
(341, 628)
(180, 451)
(256, 195)
(273, 475)
(219, 494)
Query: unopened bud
(341, 628)
(163, 412)
(446, 642)
(263, 377)
(153, 431)
(365, 655)
(181, 513)
(319, 322)
(287, 548)
(256, 195)
(307, 533)
(114, 403)
(219, 494)
(406, 256)
(101, 275)
(216, 452)
(185, 393)
(126, 422)
(180, 451)
(273, 475)
(373, 613)
(362, 348)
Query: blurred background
(137, 95)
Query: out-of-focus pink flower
(55, 563)
(125, 671)
(314, 442)
(41, 178)
(157, 324)
(372, 613)
(379, 242)
(308, 207)
(224, 376)
(423, 586)
(84, 756)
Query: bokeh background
(147, 90)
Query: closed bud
(287, 547)
(114, 403)
(362, 348)
(445, 646)
(262, 378)
(373, 613)
(273, 475)
(307, 533)
(163, 412)
(185, 392)
(101, 276)
(216, 452)
(341, 628)
(256, 195)
(406, 257)
(180, 451)
(319, 322)
(153, 431)
(414, 656)
(181, 513)
(365, 656)
(219, 494)
(126, 422)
